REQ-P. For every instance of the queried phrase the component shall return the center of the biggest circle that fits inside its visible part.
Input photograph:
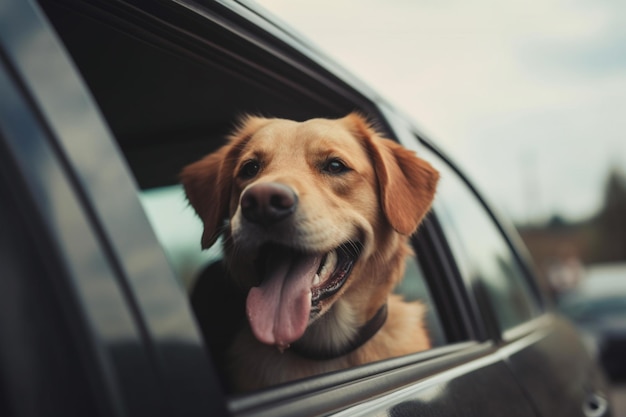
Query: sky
(529, 97)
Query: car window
(182, 109)
(482, 252)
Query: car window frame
(293, 61)
(516, 249)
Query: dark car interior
(170, 95)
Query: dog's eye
(335, 166)
(249, 169)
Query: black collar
(365, 333)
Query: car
(102, 103)
(598, 307)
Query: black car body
(101, 103)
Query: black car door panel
(559, 375)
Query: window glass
(179, 230)
(413, 287)
(482, 252)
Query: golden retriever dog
(315, 218)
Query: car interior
(170, 96)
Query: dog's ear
(208, 192)
(406, 183)
(208, 182)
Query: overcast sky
(529, 96)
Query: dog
(315, 218)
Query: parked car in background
(598, 306)
(101, 104)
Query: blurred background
(529, 97)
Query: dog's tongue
(278, 310)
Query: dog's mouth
(292, 285)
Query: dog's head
(307, 210)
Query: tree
(611, 220)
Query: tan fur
(379, 202)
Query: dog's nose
(267, 203)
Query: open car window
(170, 96)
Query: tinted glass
(413, 287)
(482, 252)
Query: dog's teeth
(331, 262)
(327, 268)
